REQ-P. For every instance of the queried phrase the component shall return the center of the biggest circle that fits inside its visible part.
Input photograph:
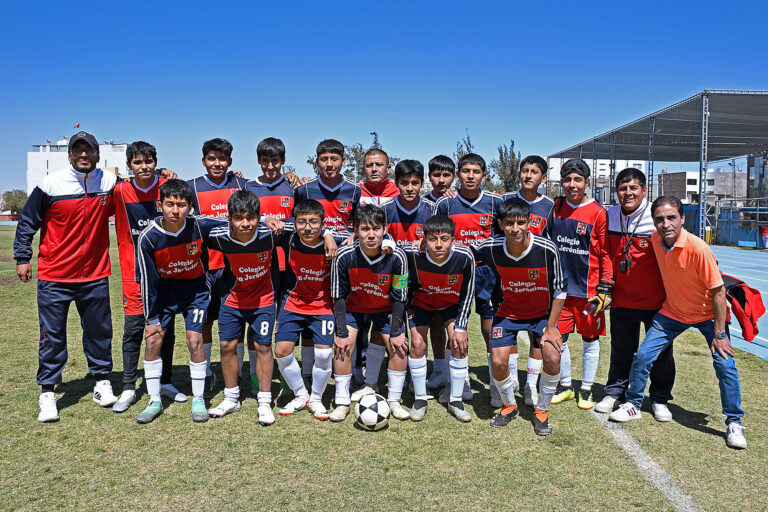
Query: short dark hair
(667, 200)
(514, 208)
(221, 145)
(270, 147)
(535, 160)
(629, 174)
(442, 163)
(243, 201)
(176, 188)
(439, 224)
(376, 151)
(142, 148)
(409, 168)
(370, 214)
(307, 206)
(330, 146)
(472, 158)
(575, 165)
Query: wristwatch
(721, 335)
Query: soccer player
(306, 305)
(473, 212)
(579, 226)
(210, 194)
(364, 280)
(638, 293)
(442, 171)
(377, 188)
(532, 173)
(529, 294)
(136, 205)
(172, 259)
(408, 211)
(442, 282)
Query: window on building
(692, 181)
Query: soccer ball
(372, 412)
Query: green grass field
(94, 459)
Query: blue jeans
(662, 333)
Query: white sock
(396, 381)
(307, 360)
(534, 369)
(342, 389)
(512, 364)
(240, 349)
(506, 389)
(207, 349)
(252, 358)
(565, 366)
(438, 366)
(458, 373)
(321, 372)
(490, 368)
(152, 372)
(289, 367)
(374, 357)
(418, 368)
(589, 361)
(548, 388)
(264, 397)
(232, 394)
(197, 374)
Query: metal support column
(594, 166)
(612, 166)
(703, 163)
(651, 137)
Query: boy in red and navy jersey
(172, 260)
(442, 282)
(376, 187)
(368, 284)
(528, 296)
(442, 171)
(638, 293)
(579, 228)
(407, 213)
(210, 194)
(272, 187)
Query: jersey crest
(533, 274)
(383, 279)
(535, 221)
(285, 202)
(581, 228)
(192, 248)
(497, 332)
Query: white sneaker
(445, 395)
(466, 394)
(734, 437)
(318, 410)
(607, 405)
(48, 411)
(127, 398)
(626, 412)
(364, 391)
(530, 396)
(266, 416)
(169, 391)
(495, 397)
(398, 411)
(227, 406)
(661, 412)
(294, 406)
(436, 380)
(102, 393)
(339, 413)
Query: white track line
(649, 468)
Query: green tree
(464, 146)
(14, 200)
(506, 167)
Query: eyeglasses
(88, 151)
(312, 223)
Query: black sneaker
(504, 416)
(541, 428)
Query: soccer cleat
(563, 395)
(318, 410)
(127, 399)
(266, 416)
(505, 415)
(102, 393)
(531, 396)
(734, 436)
(466, 394)
(48, 410)
(445, 395)
(295, 405)
(460, 412)
(227, 406)
(583, 401)
(661, 412)
(170, 391)
(398, 411)
(436, 380)
(541, 426)
(210, 384)
(199, 412)
(364, 391)
(495, 397)
(606, 405)
(419, 410)
(339, 413)
(152, 411)
(626, 412)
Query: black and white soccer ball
(372, 412)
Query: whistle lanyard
(628, 242)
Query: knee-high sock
(321, 372)
(512, 364)
(548, 388)
(307, 360)
(565, 364)
(490, 368)
(232, 394)
(590, 359)
(373, 359)
(252, 358)
(396, 381)
(342, 389)
(197, 374)
(291, 372)
(458, 373)
(207, 349)
(152, 372)
(418, 368)
(240, 348)
(534, 369)
(506, 389)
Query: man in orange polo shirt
(695, 298)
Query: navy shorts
(191, 302)
(419, 317)
(485, 280)
(291, 325)
(261, 321)
(504, 330)
(215, 278)
(380, 321)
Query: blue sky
(176, 74)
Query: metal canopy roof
(737, 125)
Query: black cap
(84, 136)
